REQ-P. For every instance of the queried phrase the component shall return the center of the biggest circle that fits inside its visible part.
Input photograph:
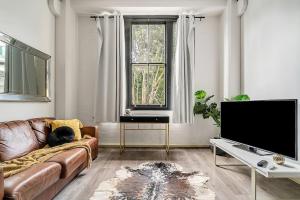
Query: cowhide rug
(154, 181)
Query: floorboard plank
(229, 183)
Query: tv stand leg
(253, 183)
(215, 154)
(253, 172)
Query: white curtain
(182, 99)
(109, 102)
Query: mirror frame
(11, 97)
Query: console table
(137, 119)
(288, 170)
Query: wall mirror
(24, 72)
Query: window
(149, 57)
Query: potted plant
(203, 106)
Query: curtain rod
(148, 17)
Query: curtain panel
(110, 94)
(182, 98)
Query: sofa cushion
(31, 182)
(70, 160)
(40, 129)
(16, 139)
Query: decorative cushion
(75, 124)
(61, 135)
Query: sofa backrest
(40, 129)
(16, 139)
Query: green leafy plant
(208, 109)
(241, 97)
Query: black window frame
(168, 21)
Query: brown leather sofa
(45, 180)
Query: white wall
(235, 50)
(31, 22)
(207, 70)
(230, 51)
(67, 63)
(271, 66)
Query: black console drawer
(145, 119)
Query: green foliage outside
(148, 64)
(206, 109)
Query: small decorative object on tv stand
(278, 159)
(127, 112)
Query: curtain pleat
(182, 99)
(108, 103)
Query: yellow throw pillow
(75, 124)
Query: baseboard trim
(152, 146)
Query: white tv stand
(288, 170)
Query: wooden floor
(229, 183)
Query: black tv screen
(269, 125)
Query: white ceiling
(150, 7)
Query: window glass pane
(139, 81)
(157, 91)
(156, 43)
(139, 43)
(148, 84)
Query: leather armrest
(91, 131)
(1, 184)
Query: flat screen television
(269, 125)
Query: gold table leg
(123, 142)
(167, 139)
(122, 137)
